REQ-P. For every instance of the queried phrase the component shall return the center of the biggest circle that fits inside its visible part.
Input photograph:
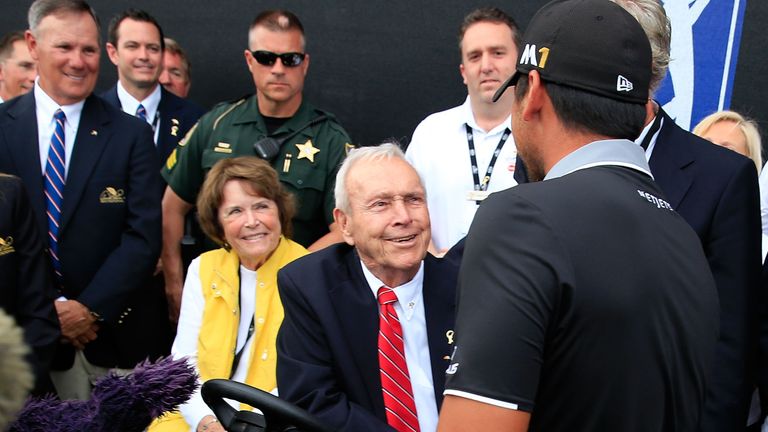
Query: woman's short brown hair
(258, 175)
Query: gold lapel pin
(94, 133)
(449, 335)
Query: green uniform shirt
(306, 164)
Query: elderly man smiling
(356, 362)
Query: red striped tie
(395, 382)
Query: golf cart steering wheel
(278, 415)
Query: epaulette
(233, 104)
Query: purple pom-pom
(125, 403)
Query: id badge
(476, 195)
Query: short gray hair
(387, 150)
(655, 23)
(43, 8)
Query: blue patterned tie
(54, 188)
(141, 112)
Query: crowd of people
(553, 254)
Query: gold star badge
(307, 151)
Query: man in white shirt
(368, 324)
(466, 152)
(136, 47)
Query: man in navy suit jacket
(26, 287)
(716, 192)
(328, 361)
(136, 47)
(109, 228)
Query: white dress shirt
(45, 108)
(410, 311)
(764, 199)
(151, 104)
(652, 143)
(440, 154)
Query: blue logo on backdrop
(705, 49)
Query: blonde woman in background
(734, 131)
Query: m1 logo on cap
(529, 56)
(623, 84)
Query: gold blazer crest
(6, 246)
(111, 195)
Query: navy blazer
(110, 230)
(26, 287)
(327, 346)
(177, 116)
(716, 191)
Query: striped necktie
(54, 188)
(141, 112)
(395, 382)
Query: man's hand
(78, 326)
(173, 287)
(158, 267)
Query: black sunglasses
(268, 58)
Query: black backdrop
(380, 66)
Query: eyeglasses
(268, 58)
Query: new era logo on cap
(623, 84)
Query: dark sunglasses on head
(268, 58)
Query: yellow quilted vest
(220, 283)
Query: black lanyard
(651, 132)
(236, 359)
(473, 159)
(239, 353)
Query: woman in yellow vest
(230, 308)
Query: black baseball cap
(591, 45)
